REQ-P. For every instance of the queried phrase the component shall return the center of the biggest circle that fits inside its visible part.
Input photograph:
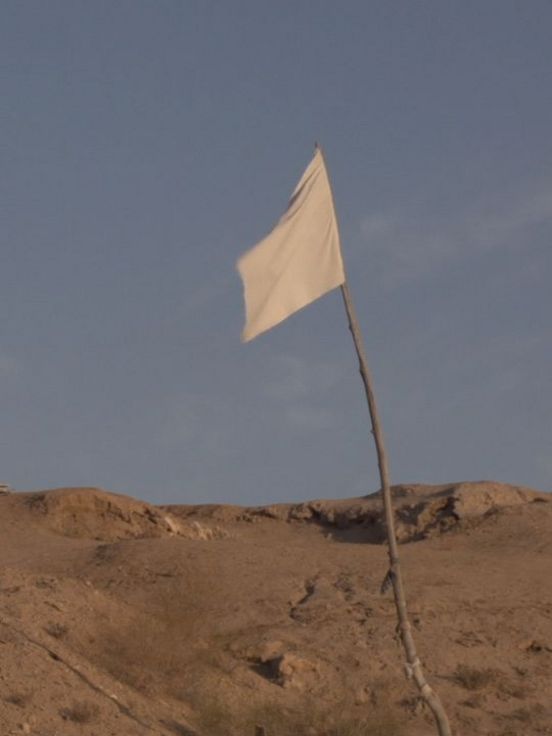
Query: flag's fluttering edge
(299, 261)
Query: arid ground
(118, 618)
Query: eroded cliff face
(118, 617)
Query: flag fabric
(299, 261)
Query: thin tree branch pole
(413, 666)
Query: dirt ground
(118, 618)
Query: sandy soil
(120, 618)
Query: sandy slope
(117, 617)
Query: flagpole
(394, 576)
(413, 665)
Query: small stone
(362, 695)
(292, 670)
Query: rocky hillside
(121, 618)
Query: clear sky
(146, 145)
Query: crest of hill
(93, 513)
(421, 511)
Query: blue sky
(146, 145)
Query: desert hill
(121, 618)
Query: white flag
(299, 261)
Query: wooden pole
(413, 665)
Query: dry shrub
(140, 651)
(308, 719)
(178, 728)
(514, 689)
(379, 723)
(524, 715)
(215, 719)
(56, 630)
(19, 698)
(155, 650)
(80, 712)
(472, 678)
